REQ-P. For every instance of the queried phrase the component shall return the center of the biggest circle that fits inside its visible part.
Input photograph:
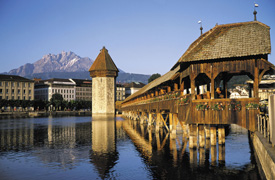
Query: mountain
(63, 62)
(68, 65)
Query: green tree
(153, 77)
(56, 100)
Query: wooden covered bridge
(195, 93)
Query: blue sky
(142, 36)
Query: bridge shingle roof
(230, 40)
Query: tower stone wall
(103, 98)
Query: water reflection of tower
(103, 154)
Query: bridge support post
(158, 122)
(131, 115)
(172, 124)
(201, 136)
(150, 120)
(221, 135)
(185, 130)
(135, 116)
(213, 134)
(143, 117)
(207, 131)
(193, 136)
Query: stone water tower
(103, 72)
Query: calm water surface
(82, 148)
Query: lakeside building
(266, 86)
(83, 89)
(46, 88)
(239, 92)
(133, 87)
(120, 92)
(16, 87)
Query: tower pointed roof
(103, 65)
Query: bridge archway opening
(202, 83)
(185, 85)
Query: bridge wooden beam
(256, 80)
(176, 87)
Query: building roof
(134, 85)
(82, 82)
(4, 77)
(103, 62)
(58, 81)
(230, 40)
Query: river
(108, 148)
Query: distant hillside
(122, 77)
(67, 65)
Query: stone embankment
(11, 115)
(265, 155)
(264, 141)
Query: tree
(153, 77)
(56, 100)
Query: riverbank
(11, 115)
(265, 155)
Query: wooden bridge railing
(264, 125)
(205, 111)
(225, 111)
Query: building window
(29, 97)
(18, 84)
(30, 91)
(18, 97)
(0, 83)
(52, 90)
(12, 97)
(24, 91)
(18, 91)
(61, 90)
(7, 90)
(12, 84)
(29, 85)
(24, 98)
(7, 97)
(24, 84)
(1, 91)
(12, 91)
(7, 83)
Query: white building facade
(44, 90)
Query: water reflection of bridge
(164, 151)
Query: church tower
(103, 72)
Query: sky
(142, 36)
